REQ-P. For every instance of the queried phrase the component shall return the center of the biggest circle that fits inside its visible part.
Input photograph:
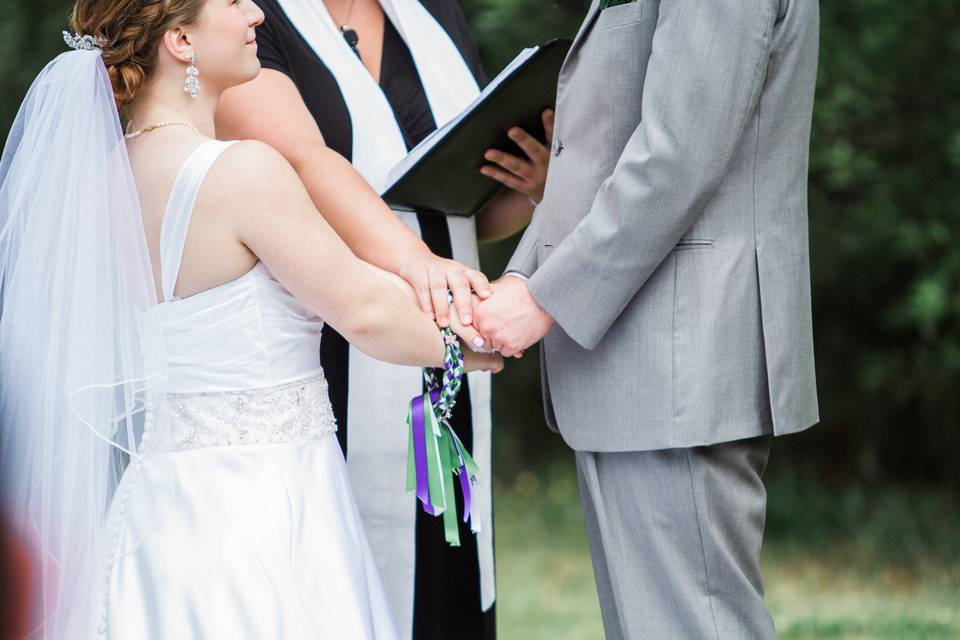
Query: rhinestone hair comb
(83, 43)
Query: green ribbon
(445, 458)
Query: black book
(442, 173)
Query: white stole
(378, 392)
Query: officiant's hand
(431, 277)
(526, 175)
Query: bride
(166, 439)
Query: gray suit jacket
(671, 243)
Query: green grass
(545, 588)
(848, 564)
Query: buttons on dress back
(130, 478)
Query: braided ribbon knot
(435, 454)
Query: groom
(669, 279)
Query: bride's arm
(271, 109)
(275, 217)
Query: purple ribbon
(420, 449)
(418, 418)
(420, 453)
(465, 485)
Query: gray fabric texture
(675, 537)
(671, 244)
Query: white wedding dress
(237, 520)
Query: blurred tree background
(876, 486)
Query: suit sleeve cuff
(575, 293)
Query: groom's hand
(510, 319)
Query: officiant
(370, 79)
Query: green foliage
(885, 217)
(29, 39)
(503, 27)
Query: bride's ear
(178, 43)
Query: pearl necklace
(157, 125)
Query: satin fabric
(257, 535)
(248, 333)
(244, 542)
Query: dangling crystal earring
(192, 84)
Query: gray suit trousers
(675, 536)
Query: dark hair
(131, 31)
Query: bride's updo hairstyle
(132, 31)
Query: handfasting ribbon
(435, 453)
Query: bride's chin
(254, 72)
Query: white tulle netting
(74, 276)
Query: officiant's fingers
(479, 283)
(439, 296)
(503, 177)
(517, 166)
(462, 296)
(420, 280)
(548, 116)
(534, 149)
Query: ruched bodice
(248, 333)
(245, 334)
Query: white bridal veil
(74, 275)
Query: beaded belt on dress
(286, 413)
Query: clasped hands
(499, 317)
(507, 321)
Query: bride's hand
(469, 336)
(470, 340)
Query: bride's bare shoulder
(251, 172)
(248, 159)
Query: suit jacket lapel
(584, 29)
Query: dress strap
(176, 217)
